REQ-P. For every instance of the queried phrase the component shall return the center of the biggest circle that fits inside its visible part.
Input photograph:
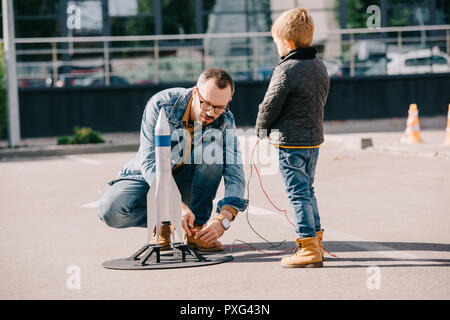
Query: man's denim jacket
(222, 131)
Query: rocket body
(163, 198)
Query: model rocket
(163, 198)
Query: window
(417, 62)
(439, 60)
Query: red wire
(264, 191)
(246, 247)
(274, 205)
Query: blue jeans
(124, 204)
(297, 168)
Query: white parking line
(83, 160)
(356, 242)
(91, 204)
(364, 245)
(257, 211)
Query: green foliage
(3, 110)
(64, 140)
(357, 14)
(177, 17)
(400, 12)
(36, 28)
(81, 136)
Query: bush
(82, 135)
(63, 140)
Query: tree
(400, 12)
(177, 17)
(356, 12)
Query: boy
(291, 116)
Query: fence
(93, 61)
(55, 111)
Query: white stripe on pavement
(83, 160)
(91, 204)
(257, 211)
(356, 242)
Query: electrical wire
(252, 164)
(284, 211)
(249, 246)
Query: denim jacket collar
(179, 108)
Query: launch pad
(150, 257)
(164, 210)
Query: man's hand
(187, 219)
(213, 230)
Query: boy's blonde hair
(296, 25)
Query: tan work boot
(164, 238)
(201, 245)
(319, 235)
(308, 255)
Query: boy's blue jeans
(124, 204)
(297, 168)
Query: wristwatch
(225, 222)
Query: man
(201, 118)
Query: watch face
(226, 223)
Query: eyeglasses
(206, 106)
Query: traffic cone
(412, 131)
(447, 138)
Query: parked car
(418, 61)
(71, 75)
(31, 83)
(99, 80)
(378, 68)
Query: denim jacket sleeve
(233, 173)
(147, 141)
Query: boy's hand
(262, 133)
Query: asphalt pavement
(384, 209)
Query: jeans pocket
(294, 158)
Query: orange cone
(447, 138)
(412, 131)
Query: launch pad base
(150, 257)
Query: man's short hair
(221, 77)
(296, 25)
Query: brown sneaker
(164, 238)
(201, 245)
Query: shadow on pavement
(264, 252)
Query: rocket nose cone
(162, 126)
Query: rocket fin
(176, 209)
(152, 208)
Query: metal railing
(247, 56)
